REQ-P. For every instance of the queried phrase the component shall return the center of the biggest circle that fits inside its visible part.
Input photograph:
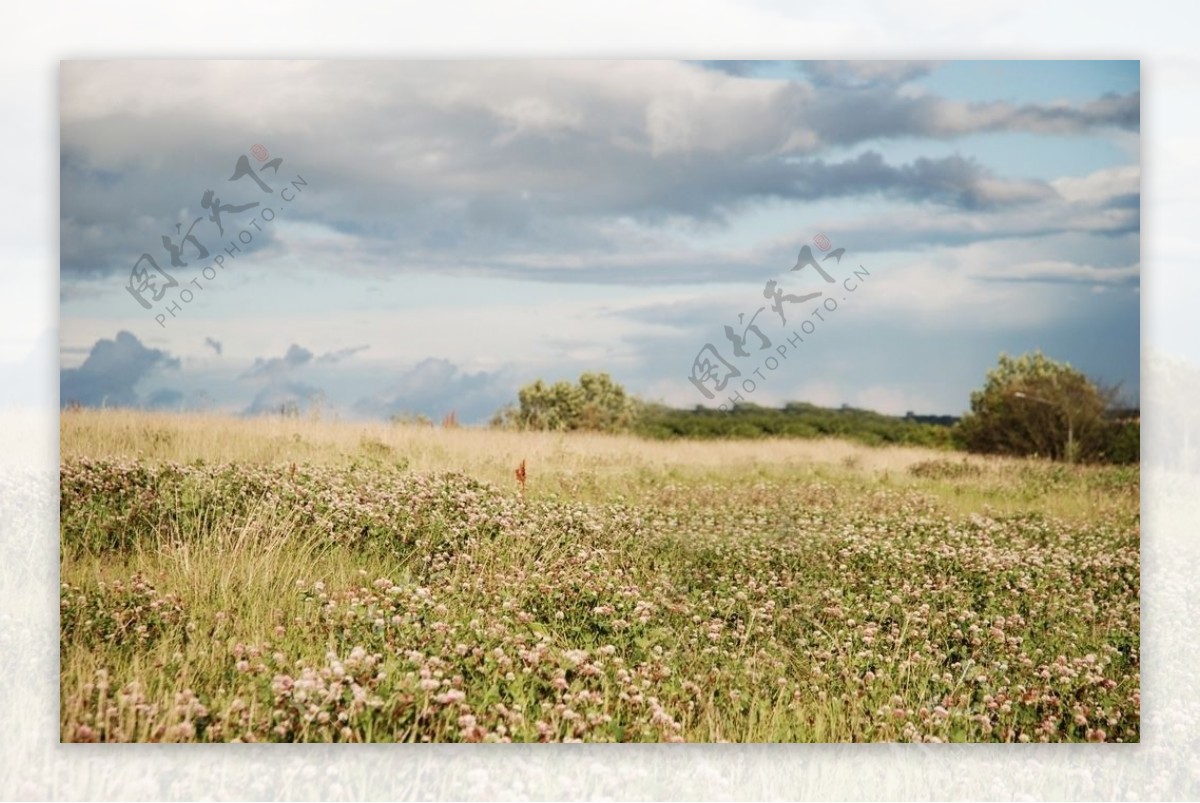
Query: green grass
(379, 585)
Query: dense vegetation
(1029, 405)
(291, 580)
(1032, 405)
(794, 420)
(596, 403)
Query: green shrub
(596, 403)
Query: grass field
(279, 579)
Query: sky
(373, 238)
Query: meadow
(284, 579)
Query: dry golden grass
(486, 453)
(600, 466)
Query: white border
(34, 766)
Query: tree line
(1028, 405)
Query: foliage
(369, 604)
(124, 614)
(596, 403)
(795, 420)
(1122, 441)
(1033, 405)
(945, 469)
(405, 418)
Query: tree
(596, 403)
(1032, 405)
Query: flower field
(323, 584)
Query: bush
(596, 403)
(795, 420)
(1032, 405)
(1122, 442)
(944, 469)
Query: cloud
(959, 201)
(282, 392)
(738, 67)
(114, 215)
(285, 396)
(1105, 203)
(455, 163)
(435, 387)
(110, 374)
(334, 357)
(165, 398)
(276, 367)
(858, 74)
(851, 117)
(657, 187)
(1064, 272)
(283, 389)
(953, 180)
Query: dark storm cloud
(111, 372)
